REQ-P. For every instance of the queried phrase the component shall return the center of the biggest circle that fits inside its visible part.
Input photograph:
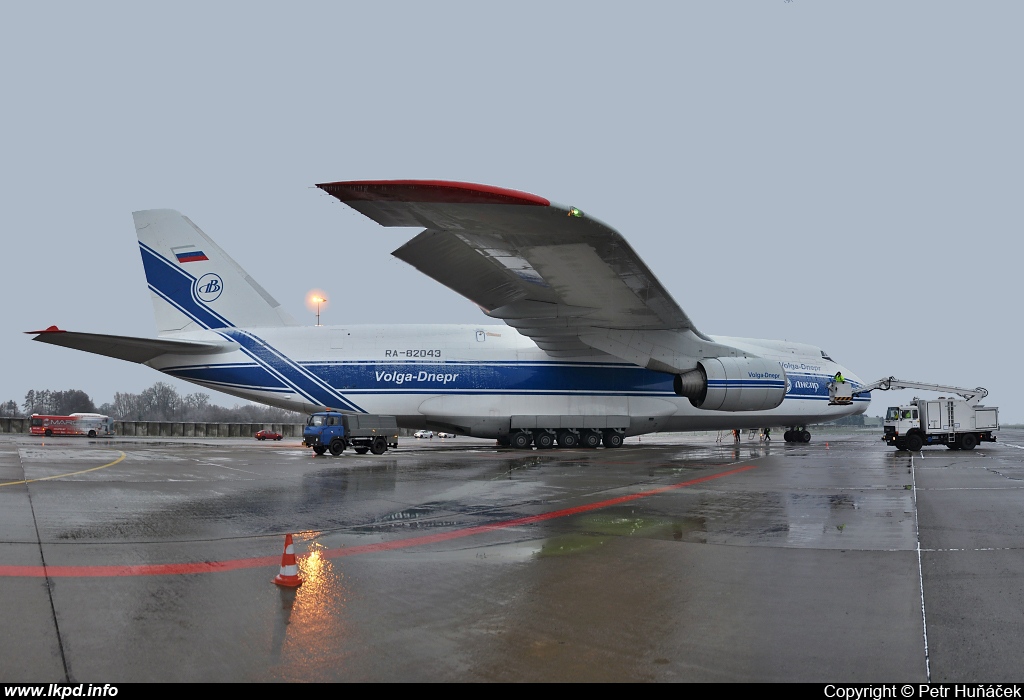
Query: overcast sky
(843, 174)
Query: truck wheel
(591, 439)
(612, 439)
(337, 446)
(319, 449)
(953, 445)
(379, 446)
(520, 440)
(968, 441)
(362, 450)
(567, 438)
(914, 442)
(900, 443)
(543, 440)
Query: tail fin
(196, 285)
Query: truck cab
(900, 420)
(322, 429)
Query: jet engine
(733, 384)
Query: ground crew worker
(839, 378)
(767, 434)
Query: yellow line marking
(60, 476)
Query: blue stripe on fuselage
(307, 383)
(466, 377)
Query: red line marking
(209, 567)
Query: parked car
(446, 435)
(423, 434)
(268, 435)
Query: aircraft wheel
(788, 436)
(567, 438)
(521, 440)
(968, 441)
(379, 446)
(805, 436)
(914, 443)
(612, 439)
(337, 446)
(362, 450)
(543, 440)
(319, 449)
(591, 439)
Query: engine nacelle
(733, 384)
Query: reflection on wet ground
(677, 558)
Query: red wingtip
(51, 329)
(428, 191)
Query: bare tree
(72, 401)
(160, 402)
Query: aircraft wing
(125, 347)
(557, 275)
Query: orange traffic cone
(289, 576)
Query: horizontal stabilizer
(127, 348)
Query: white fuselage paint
(473, 378)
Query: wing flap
(457, 265)
(127, 347)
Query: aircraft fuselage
(473, 378)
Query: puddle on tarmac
(597, 529)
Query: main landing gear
(797, 435)
(546, 439)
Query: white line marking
(974, 549)
(920, 574)
(224, 466)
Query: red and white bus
(91, 424)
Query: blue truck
(334, 431)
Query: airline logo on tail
(209, 287)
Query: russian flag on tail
(189, 253)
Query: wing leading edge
(567, 280)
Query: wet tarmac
(671, 559)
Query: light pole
(318, 300)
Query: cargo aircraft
(593, 348)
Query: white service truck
(957, 423)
